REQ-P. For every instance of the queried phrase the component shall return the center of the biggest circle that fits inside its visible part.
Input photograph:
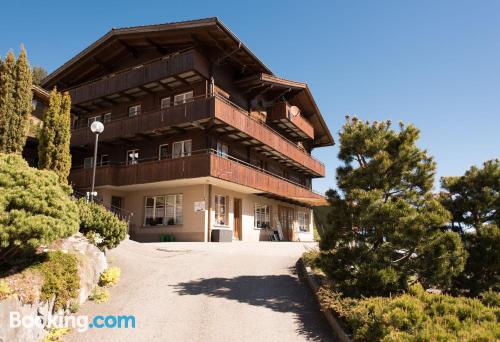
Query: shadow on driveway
(281, 293)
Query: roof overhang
(210, 32)
(299, 94)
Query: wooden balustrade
(281, 112)
(147, 122)
(199, 165)
(150, 72)
(239, 119)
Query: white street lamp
(97, 128)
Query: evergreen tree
(47, 135)
(22, 97)
(54, 138)
(384, 228)
(7, 86)
(39, 73)
(61, 160)
(474, 201)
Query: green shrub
(491, 298)
(415, 316)
(56, 334)
(101, 225)
(60, 278)
(311, 258)
(110, 277)
(5, 290)
(99, 295)
(74, 306)
(35, 209)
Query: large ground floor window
(262, 216)
(163, 210)
(303, 219)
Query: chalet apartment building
(200, 136)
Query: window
(134, 110)
(104, 159)
(106, 117)
(165, 102)
(92, 119)
(163, 210)
(303, 219)
(221, 210)
(163, 152)
(88, 162)
(262, 216)
(132, 157)
(222, 149)
(181, 148)
(183, 98)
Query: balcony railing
(281, 112)
(201, 108)
(202, 163)
(147, 121)
(152, 71)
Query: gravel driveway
(209, 292)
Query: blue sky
(435, 64)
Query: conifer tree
(385, 225)
(474, 202)
(47, 135)
(18, 129)
(61, 160)
(54, 137)
(7, 86)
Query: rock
(19, 333)
(91, 263)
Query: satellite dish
(294, 110)
(97, 127)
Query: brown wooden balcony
(269, 139)
(204, 163)
(297, 125)
(150, 72)
(149, 122)
(197, 113)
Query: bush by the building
(101, 225)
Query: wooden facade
(156, 85)
(201, 164)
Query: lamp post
(97, 128)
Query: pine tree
(46, 136)
(474, 202)
(61, 160)
(7, 86)
(385, 224)
(19, 123)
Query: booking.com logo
(81, 323)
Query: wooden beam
(180, 79)
(129, 48)
(157, 46)
(127, 96)
(101, 64)
(146, 90)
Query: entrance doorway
(116, 204)
(237, 219)
(286, 217)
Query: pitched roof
(191, 28)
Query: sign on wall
(199, 206)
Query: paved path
(209, 292)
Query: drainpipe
(209, 212)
